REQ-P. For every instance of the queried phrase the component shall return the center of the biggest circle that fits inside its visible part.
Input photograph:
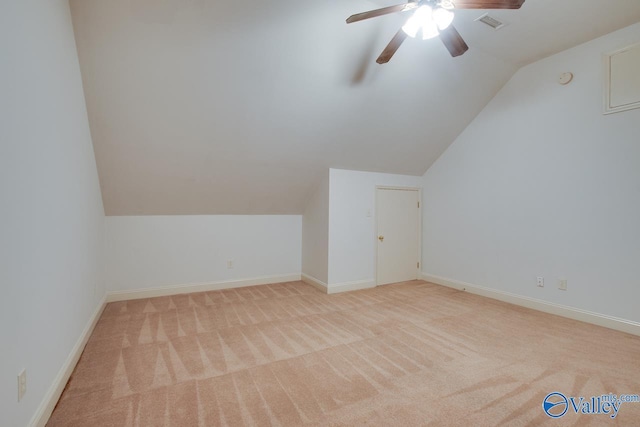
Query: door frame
(375, 228)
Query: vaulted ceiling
(214, 107)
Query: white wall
(315, 233)
(157, 251)
(543, 184)
(52, 226)
(351, 231)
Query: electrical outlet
(540, 282)
(22, 384)
(230, 263)
(562, 284)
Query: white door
(398, 237)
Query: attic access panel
(622, 79)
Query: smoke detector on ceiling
(491, 21)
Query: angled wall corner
(315, 235)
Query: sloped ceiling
(213, 107)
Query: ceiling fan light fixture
(429, 30)
(429, 21)
(442, 17)
(411, 27)
(421, 16)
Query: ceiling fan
(432, 18)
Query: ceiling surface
(212, 107)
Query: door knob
(381, 238)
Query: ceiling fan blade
(391, 48)
(379, 12)
(453, 41)
(488, 4)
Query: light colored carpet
(407, 354)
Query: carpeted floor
(407, 354)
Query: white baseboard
(48, 403)
(338, 287)
(350, 286)
(318, 284)
(606, 321)
(198, 287)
